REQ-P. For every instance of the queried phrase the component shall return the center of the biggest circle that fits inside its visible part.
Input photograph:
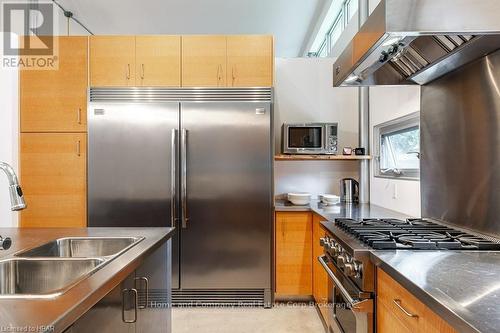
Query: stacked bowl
(330, 199)
(299, 199)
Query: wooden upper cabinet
(158, 61)
(204, 61)
(250, 61)
(112, 61)
(53, 178)
(174, 61)
(56, 100)
(293, 236)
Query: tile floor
(280, 319)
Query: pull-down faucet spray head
(15, 191)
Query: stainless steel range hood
(417, 41)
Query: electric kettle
(349, 190)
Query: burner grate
(418, 234)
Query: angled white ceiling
(290, 21)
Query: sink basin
(82, 247)
(40, 278)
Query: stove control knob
(323, 241)
(338, 249)
(341, 260)
(349, 269)
(353, 269)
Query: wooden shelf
(321, 157)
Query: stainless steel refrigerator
(199, 159)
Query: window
(334, 23)
(323, 50)
(397, 148)
(336, 30)
(352, 8)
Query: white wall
(387, 103)
(316, 177)
(304, 93)
(9, 138)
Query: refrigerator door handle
(173, 179)
(185, 217)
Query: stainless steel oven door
(351, 310)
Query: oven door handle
(364, 305)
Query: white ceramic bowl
(330, 199)
(299, 199)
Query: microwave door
(305, 139)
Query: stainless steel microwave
(310, 138)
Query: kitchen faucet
(16, 198)
(16, 193)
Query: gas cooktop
(414, 234)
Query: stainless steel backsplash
(460, 139)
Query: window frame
(350, 14)
(342, 19)
(393, 126)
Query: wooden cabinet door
(250, 61)
(387, 322)
(158, 61)
(112, 61)
(204, 61)
(53, 178)
(293, 234)
(405, 308)
(56, 100)
(320, 277)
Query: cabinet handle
(233, 71)
(146, 284)
(128, 72)
(221, 75)
(124, 292)
(409, 314)
(220, 78)
(79, 116)
(142, 71)
(78, 149)
(218, 74)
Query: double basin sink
(51, 269)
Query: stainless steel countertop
(64, 310)
(463, 287)
(341, 210)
